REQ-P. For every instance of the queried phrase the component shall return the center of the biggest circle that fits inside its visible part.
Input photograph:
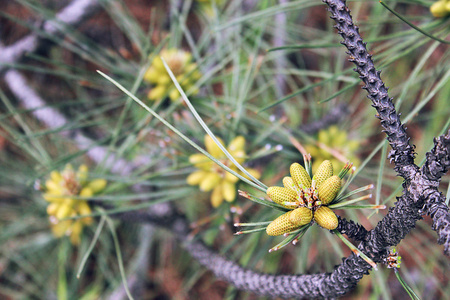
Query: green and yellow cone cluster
(307, 198)
(61, 191)
(338, 141)
(185, 71)
(440, 9)
(210, 176)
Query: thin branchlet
(336, 114)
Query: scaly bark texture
(402, 153)
(351, 229)
(436, 165)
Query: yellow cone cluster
(61, 191)
(338, 141)
(440, 9)
(185, 71)
(211, 177)
(307, 198)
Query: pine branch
(402, 153)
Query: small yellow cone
(288, 183)
(212, 147)
(217, 196)
(228, 190)
(300, 176)
(281, 194)
(157, 92)
(210, 182)
(281, 225)
(300, 216)
(439, 10)
(64, 210)
(326, 218)
(324, 171)
(83, 208)
(329, 189)
(200, 161)
(97, 185)
(237, 144)
(75, 235)
(196, 177)
(52, 208)
(86, 192)
(59, 229)
(230, 177)
(174, 94)
(151, 75)
(55, 176)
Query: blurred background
(267, 77)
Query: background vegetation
(55, 109)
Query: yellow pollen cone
(326, 218)
(212, 147)
(55, 176)
(281, 225)
(196, 177)
(230, 177)
(61, 228)
(64, 210)
(300, 176)
(157, 92)
(237, 144)
(439, 9)
(281, 194)
(209, 182)
(300, 216)
(97, 185)
(228, 190)
(75, 235)
(288, 183)
(217, 196)
(86, 192)
(324, 171)
(329, 189)
(174, 94)
(83, 208)
(52, 208)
